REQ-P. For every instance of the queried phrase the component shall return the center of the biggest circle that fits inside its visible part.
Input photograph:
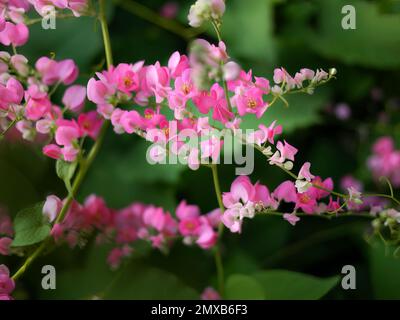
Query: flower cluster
(245, 200)
(26, 99)
(126, 226)
(385, 160)
(157, 90)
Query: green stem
(220, 270)
(217, 186)
(217, 31)
(12, 124)
(106, 33)
(217, 252)
(30, 259)
(327, 216)
(224, 84)
(86, 163)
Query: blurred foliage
(262, 35)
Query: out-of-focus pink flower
(5, 243)
(291, 218)
(52, 151)
(74, 98)
(210, 293)
(7, 284)
(169, 10)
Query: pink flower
(67, 71)
(7, 284)
(155, 218)
(2, 22)
(157, 81)
(306, 202)
(74, 98)
(70, 153)
(210, 293)
(320, 193)
(304, 172)
(67, 132)
(12, 93)
(130, 121)
(52, 207)
(232, 220)
(99, 92)
(177, 64)
(291, 218)
(268, 134)
(96, 213)
(241, 190)
(90, 124)
(383, 145)
(189, 226)
(231, 71)
(249, 100)
(207, 237)
(333, 205)
(44, 126)
(287, 151)
(57, 231)
(64, 71)
(127, 77)
(349, 181)
(14, 34)
(5, 243)
(169, 10)
(115, 256)
(20, 63)
(286, 191)
(52, 151)
(6, 227)
(185, 211)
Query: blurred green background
(261, 35)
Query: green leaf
(65, 171)
(371, 44)
(283, 284)
(30, 226)
(385, 272)
(256, 28)
(78, 39)
(133, 280)
(239, 286)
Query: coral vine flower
(249, 100)
(7, 284)
(74, 98)
(14, 34)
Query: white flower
(354, 195)
(302, 185)
(204, 10)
